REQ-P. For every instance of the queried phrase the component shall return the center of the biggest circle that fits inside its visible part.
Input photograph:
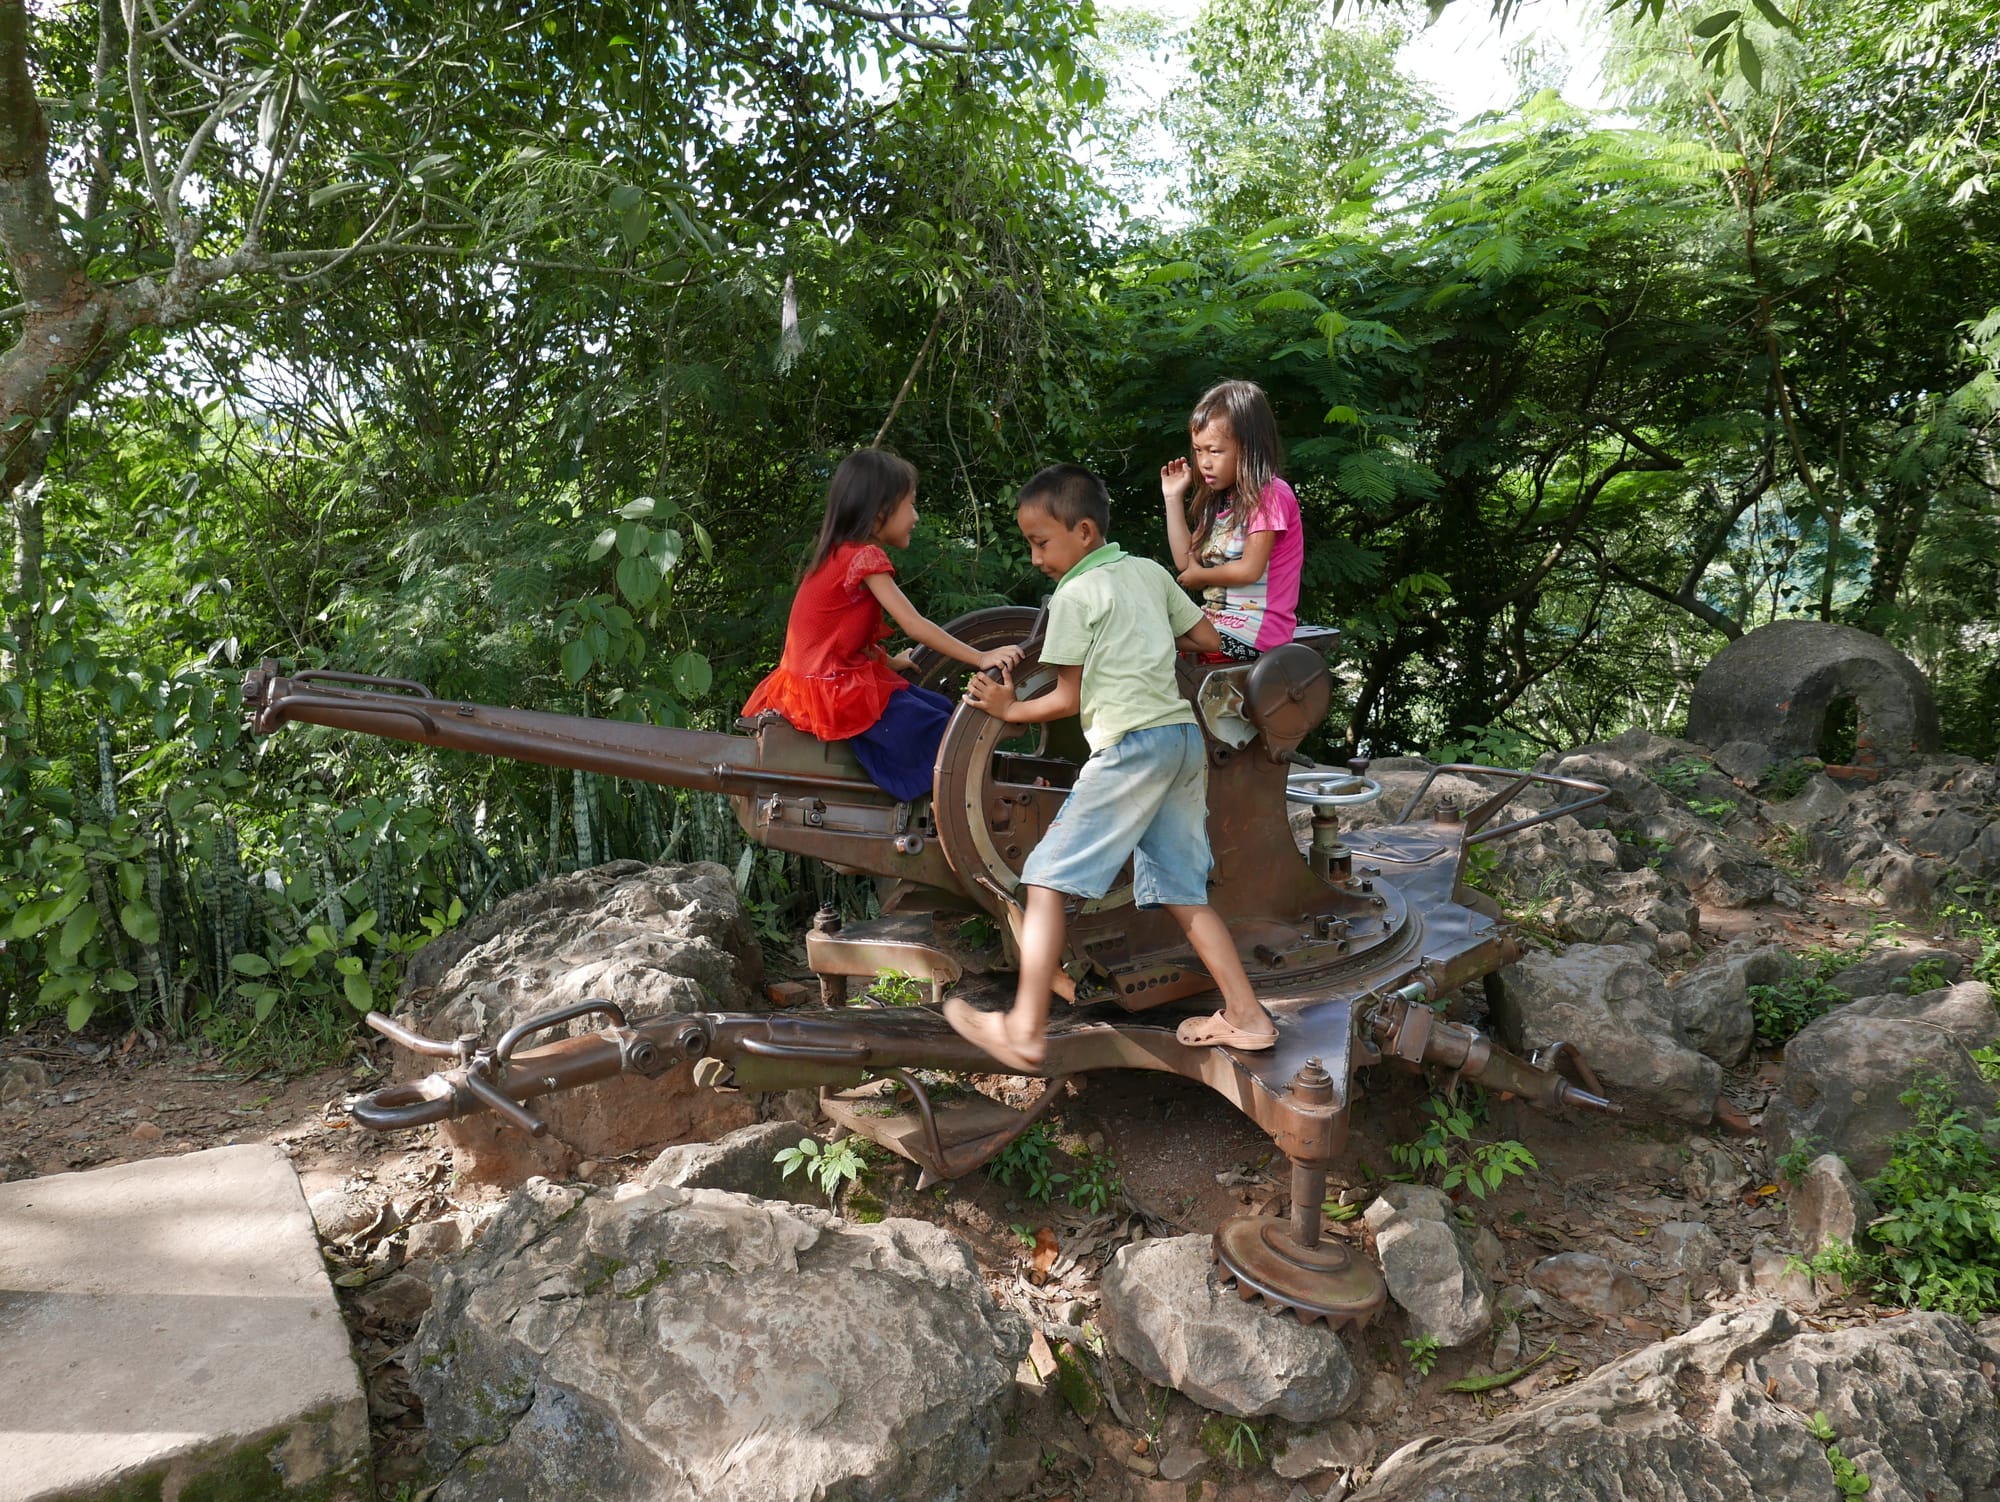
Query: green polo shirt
(1117, 616)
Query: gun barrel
(702, 760)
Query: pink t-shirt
(1262, 615)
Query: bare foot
(987, 1031)
(1217, 1031)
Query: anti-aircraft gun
(1348, 945)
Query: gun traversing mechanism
(1348, 945)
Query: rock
(1691, 1248)
(1613, 1006)
(1722, 1413)
(148, 1131)
(1776, 685)
(1712, 1175)
(1916, 836)
(169, 1331)
(341, 1212)
(655, 1342)
(1164, 1312)
(1775, 1273)
(742, 1161)
(1588, 1282)
(432, 1238)
(21, 1079)
(1712, 1000)
(656, 940)
(1821, 798)
(1430, 1270)
(1889, 972)
(1746, 761)
(1507, 1346)
(400, 1299)
(1338, 1444)
(1845, 1071)
(1829, 1206)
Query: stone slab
(167, 1327)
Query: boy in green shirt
(1114, 625)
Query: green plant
(1094, 1183)
(1791, 1165)
(1423, 1353)
(1788, 779)
(1027, 1158)
(1335, 1210)
(1023, 1234)
(830, 1166)
(1925, 975)
(895, 989)
(1848, 1478)
(1938, 1199)
(1783, 1009)
(1482, 870)
(1790, 849)
(1978, 925)
(1682, 777)
(1987, 1061)
(1717, 810)
(1447, 1151)
(1236, 1441)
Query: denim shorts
(1145, 797)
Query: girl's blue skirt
(899, 751)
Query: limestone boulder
(1890, 970)
(1431, 1270)
(1845, 1072)
(1722, 1414)
(1829, 1207)
(1588, 1282)
(661, 1343)
(1165, 1313)
(1912, 839)
(653, 939)
(1612, 1004)
(743, 1161)
(1712, 1000)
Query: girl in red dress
(835, 681)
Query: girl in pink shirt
(1238, 539)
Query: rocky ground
(1589, 1269)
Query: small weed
(894, 989)
(1925, 975)
(1791, 1165)
(1848, 1478)
(1939, 1198)
(1027, 1158)
(1978, 925)
(1987, 1061)
(1789, 778)
(1423, 1353)
(1447, 1150)
(1682, 777)
(1335, 1210)
(830, 1166)
(1482, 870)
(1095, 1182)
(978, 933)
(1237, 1441)
(1716, 811)
(1790, 850)
(1782, 1010)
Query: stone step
(167, 1329)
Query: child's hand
(1175, 481)
(996, 697)
(1194, 576)
(999, 657)
(904, 662)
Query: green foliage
(1791, 1165)
(1423, 1353)
(1027, 1158)
(1447, 1153)
(1784, 1008)
(1849, 1480)
(1682, 777)
(1938, 1204)
(830, 1167)
(1095, 1183)
(1719, 810)
(1925, 975)
(1238, 1442)
(1983, 931)
(895, 989)
(1787, 779)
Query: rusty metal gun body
(1348, 944)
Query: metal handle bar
(398, 1107)
(834, 1053)
(367, 679)
(592, 1006)
(415, 1041)
(1475, 832)
(277, 709)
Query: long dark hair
(1260, 453)
(863, 491)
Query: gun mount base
(1327, 1281)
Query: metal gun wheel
(1329, 1281)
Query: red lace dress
(834, 679)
